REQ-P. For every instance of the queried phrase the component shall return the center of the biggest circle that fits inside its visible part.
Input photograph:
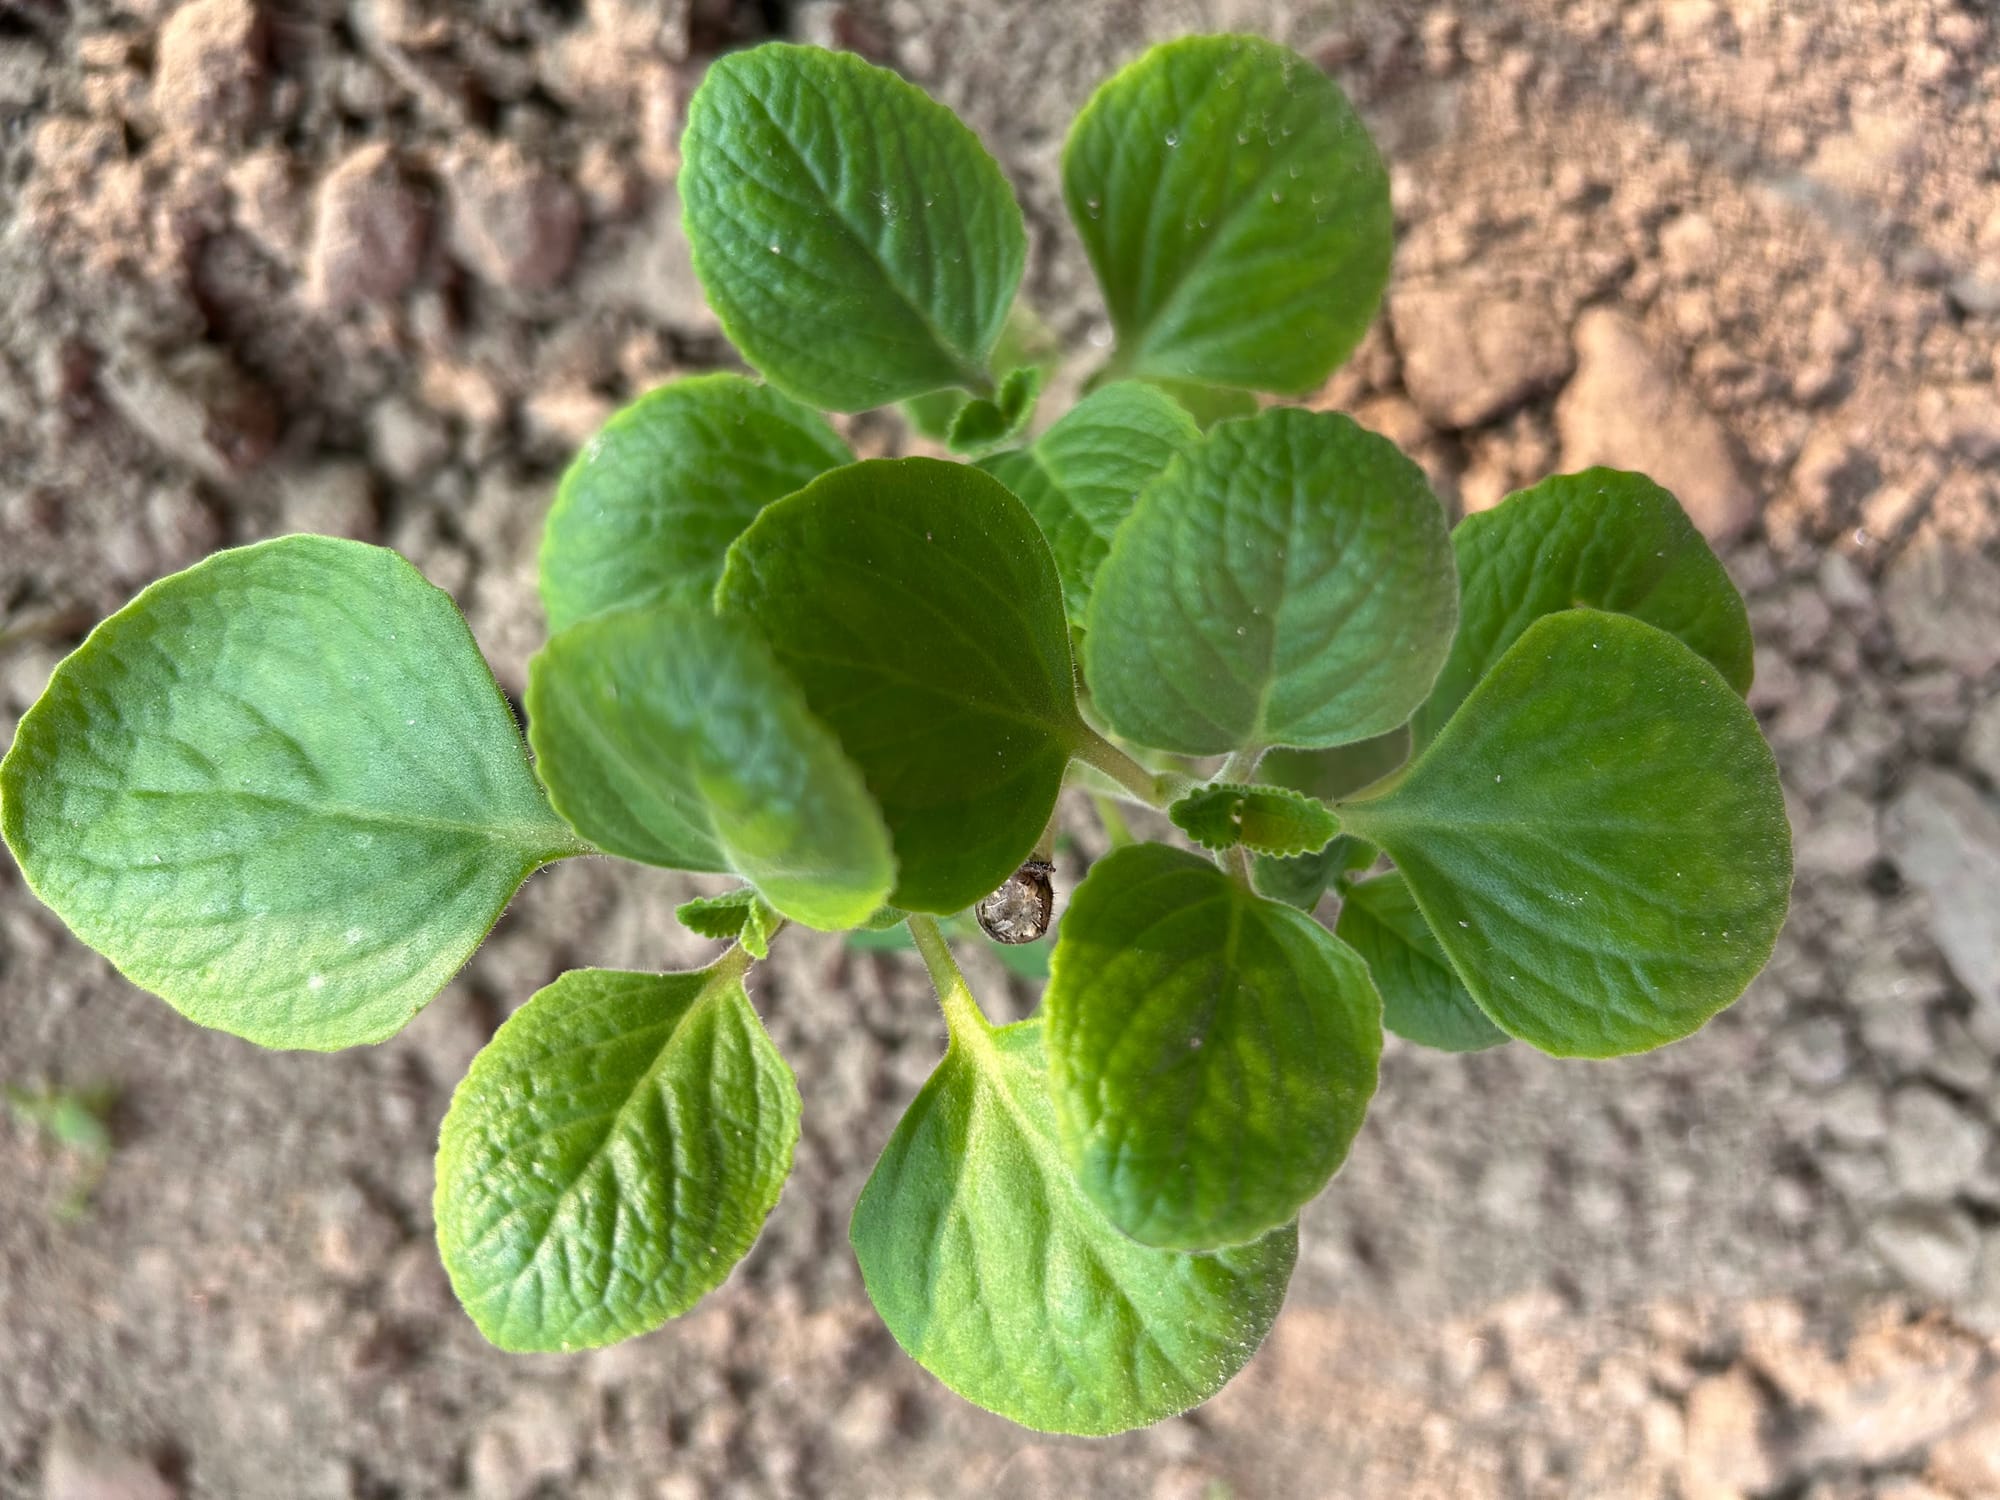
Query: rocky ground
(376, 268)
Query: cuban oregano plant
(1511, 761)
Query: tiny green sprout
(79, 1121)
(282, 791)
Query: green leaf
(858, 243)
(982, 424)
(281, 791)
(1024, 341)
(1597, 838)
(1287, 581)
(648, 509)
(1208, 404)
(917, 605)
(1211, 1053)
(998, 1276)
(1079, 478)
(1236, 214)
(1302, 879)
(1422, 999)
(1601, 539)
(1340, 771)
(671, 737)
(739, 916)
(612, 1154)
(1268, 819)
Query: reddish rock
(368, 233)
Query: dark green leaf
(1079, 478)
(1287, 581)
(612, 1154)
(1235, 211)
(648, 509)
(1601, 539)
(857, 241)
(982, 424)
(672, 737)
(1597, 838)
(281, 791)
(917, 605)
(997, 1275)
(1341, 771)
(1422, 999)
(1211, 1053)
(1268, 819)
(1303, 878)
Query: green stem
(1095, 750)
(962, 1015)
(1236, 860)
(1045, 846)
(1115, 827)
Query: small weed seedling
(282, 791)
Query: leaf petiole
(1094, 750)
(962, 1015)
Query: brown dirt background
(376, 268)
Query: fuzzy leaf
(614, 1151)
(1235, 212)
(1597, 838)
(1079, 478)
(1601, 539)
(1268, 819)
(858, 243)
(1286, 581)
(648, 509)
(281, 791)
(917, 606)
(998, 1276)
(1211, 1053)
(739, 916)
(1301, 879)
(675, 739)
(1422, 998)
(981, 424)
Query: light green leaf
(1597, 838)
(998, 1276)
(858, 243)
(917, 606)
(1601, 539)
(1287, 581)
(982, 424)
(1301, 879)
(1079, 478)
(1340, 771)
(672, 737)
(1024, 341)
(648, 509)
(1208, 404)
(739, 916)
(281, 791)
(1211, 1053)
(1236, 214)
(1422, 999)
(614, 1151)
(1268, 819)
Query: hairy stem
(1236, 860)
(1095, 750)
(1241, 766)
(962, 1015)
